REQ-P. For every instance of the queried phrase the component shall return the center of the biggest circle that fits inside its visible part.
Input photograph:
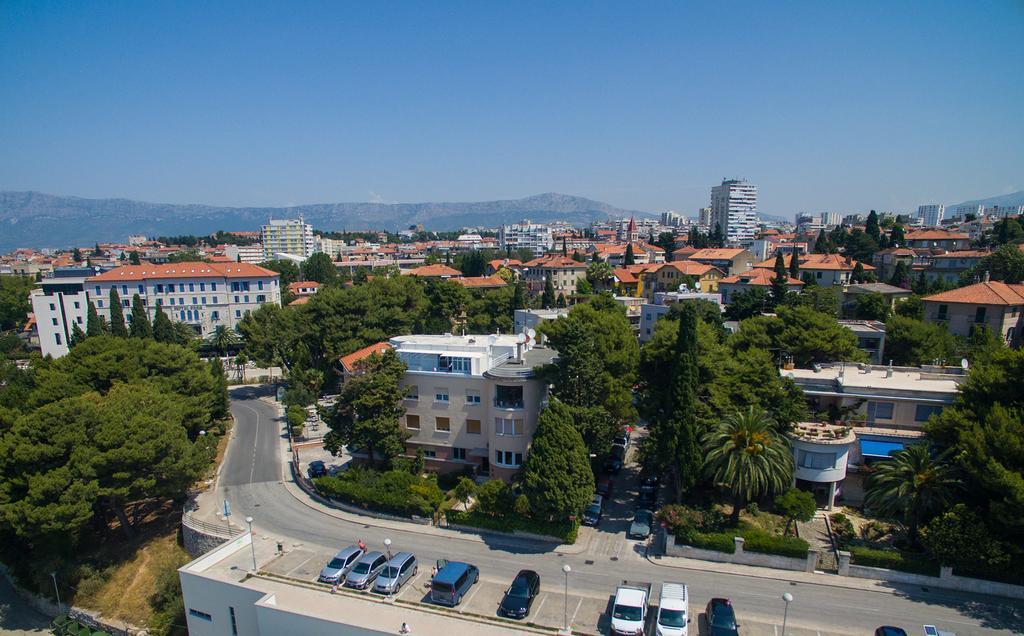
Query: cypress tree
(561, 301)
(518, 295)
(779, 281)
(794, 266)
(565, 250)
(557, 478)
(141, 328)
(897, 237)
(163, 330)
(686, 452)
(821, 244)
(133, 258)
(77, 336)
(871, 226)
(93, 322)
(858, 273)
(117, 326)
(547, 299)
(630, 258)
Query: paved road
(251, 479)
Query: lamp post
(56, 591)
(252, 542)
(785, 614)
(387, 547)
(565, 605)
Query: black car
(648, 492)
(613, 464)
(592, 515)
(317, 469)
(519, 596)
(721, 618)
(888, 630)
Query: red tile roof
(435, 271)
(183, 270)
(934, 235)
(479, 282)
(300, 284)
(690, 268)
(348, 363)
(301, 300)
(990, 293)
(716, 254)
(504, 262)
(555, 261)
(817, 261)
(757, 276)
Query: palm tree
(746, 453)
(222, 339)
(913, 486)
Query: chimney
(985, 277)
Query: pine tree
(77, 336)
(794, 266)
(871, 227)
(821, 244)
(557, 478)
(163, 330)
(140, 327)
(561, 301)
(858, 275)
(565, 249)
(133, 258)
(93, 322)
(897, 238)
(780, 282)
(900, 275)
(630, 258)
(547, 299)
(76, 255)
(117, 326)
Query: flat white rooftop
(850, 378)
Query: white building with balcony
(288, 236)
(60, 303)
(526, 235)
(472, 401)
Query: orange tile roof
(505, 262)
(624, 275)
(348, 363)
(436, 270)
(554, 260)
(299, 284)
(817, 261)
(301, 300)
(690, 268)
(964, 254)
(716, 254)
(758, 276)
(934, 235)
(990, 293)
(481, 281)
(182, 270)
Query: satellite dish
(521, 338)
(963, 364)
(532, 334)
(696, 285)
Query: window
(472, 397)
(126, 303)
(202, 286)
(246, 297)
(943, 312)
(78, 320)
(429, 453)
(508, 397)
(99, 303)
(97, 290)
(213, 287)
(54, 321)
(442, 424)
(159, 302)
(124, 289)
(234, 286)
(261, 298)
(259, 285)
(508, 459)
(191, 287)
(880, 411)
(78, 305)
(215, 315)
(412, 392)
(412, 421)
(142, 289)
(924, 411)
(473, 427)
(194, 301)
(441, 395)
(56, 337)
(819, 461)
(979, 314)
(459, 453)
(181, 287)
(508, 427)
(245, 285)
(238, 313)
(234, 623)
(53, 307)
(236, 298)
(203, 299)
(450, 364)
(202, 615)
(214, 300)
(817, 274)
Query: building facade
(992, 304)
(734, 211)
(60, 303)
(288, 236)
(931, 215)
(472, 401)
(526, 235)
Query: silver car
(399, 569)
(366, 570)
(335, 571)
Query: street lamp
(785, 614)
(565, 606)
(252, 542)
(387, 547)
(56, 591)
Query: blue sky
(825, 105)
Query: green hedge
(717, 541)
(893, 560)
(394, 492)
(565, 531)
(761, 541)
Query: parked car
(613, 463)
(721, 618)
(366, 570)
(317, 469)
(604, 486)
(335, 571)
(641, 526)
(622, 437)
(673, 610)
(399, 569)
(630, 609)
(592, 515)
(519, 596)
(888, 630)
(452, 582)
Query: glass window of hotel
(472, 397)
(473, 427)
(441, 395)
(412, 392)
(880, 411)
(924, 411)
(817, 460)
(442, 424)
(508, 426)
(412, 421)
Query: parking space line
(466, 601)
(410, 584)
(302, 564)
(576, 611)
(618, 550)
(542, 599)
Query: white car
(673, 610)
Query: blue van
(452, 582)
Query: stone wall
(742, 557)
(200, 537)
(308, 488)
(945, 580)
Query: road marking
(466, 601)
(542, 599)
(618, 550)
(255, 439)
(576, 611)
(300, 565)
(775, 629)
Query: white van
(673, 610)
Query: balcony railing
(508, 404)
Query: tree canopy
(556, 477)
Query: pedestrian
(433, 572)
(362, 546)
(405, 629)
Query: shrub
(753, 509)
(565, 531)
(450, 480)
(395, 491)
(493, 497)
(761, 541)
(873, 531)
(842, 528)
(893, 560)
(717, 541)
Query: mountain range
(35, 219)
(1014, 198)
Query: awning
(875, 448)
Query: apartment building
(931, 215)
(472, 401)
(1004, 211)
(731, 261)
(653, 311)
(992, 304)
(563, 271)
(526, 235)
(827, 270)
(59, 303)
(253, 254)
(668, 277)
(948, 240)
(288, 236)
(949, 266)
(734, 211)
(755, 278)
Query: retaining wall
(742, 557)
(308, 488)
(200, 537)
(945, 580)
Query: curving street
(253, 477)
